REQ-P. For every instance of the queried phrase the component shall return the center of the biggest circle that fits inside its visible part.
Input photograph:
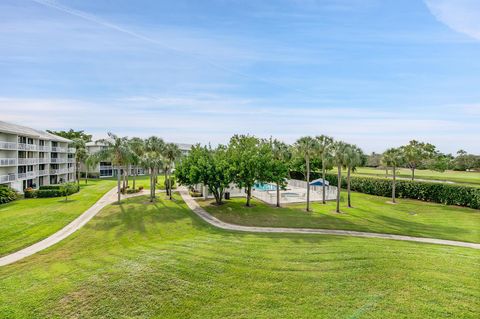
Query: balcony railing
(43, 172)
(105, 168)
(59, 149)
(71, 170)
(8, 178)
(8, 145)
(27, 161)
(58, 160)
(8, 161)
(44, 148)
(58, 171)
(44, 160)
(27, 175)
(27, 147)
(72, 150)
(71, 160)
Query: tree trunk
(339, 185)
(154, 183)
(134, 177)
(127, 175)
(118, 183)
(170, 183)
(323, 177)
(348, 187)
(278, 194)
(393, 185)
(249, 194)
(86, 175)
(307, 160)
(166, 178)
(413, 173)
(77, 168)
(151, 184)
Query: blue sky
(372, 72)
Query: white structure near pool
(294, 192)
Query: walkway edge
(203, 214)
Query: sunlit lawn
(143, 260)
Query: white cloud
(460, 15)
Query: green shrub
(7, 194)
(57, 190)
(30, 193)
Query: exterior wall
(31, 161)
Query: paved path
(109, 198)
(195, 207)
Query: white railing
(27, 175)
(27, 147)
(43, 172)
(8, 145)
(43, 160)
(27, 161)
(58, 171)
(58, 160)
(8, 161)
(44, 148)
(72, 150)
(8, 178)
(71, 160)
(59, 149)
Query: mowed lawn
(160, 261)
(369, 213)
(471, 178)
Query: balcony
(43, 160)
(27, 161)
(71, 160)
(44, 148)
(59, 149)
(105, 168)
(58, 160)
(27, 147)
(58, 171)
(8, 178)
(43, 172)
(8, 145)
(27, 175)
(72, 150)
(71, 170)
(8, 161)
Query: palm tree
(171, 154)
(137, 146)
(151, 161)
(80, 155)
(353, 158)
(393, 157)
(324, 143)
(91, 161)
(117, 150)
(306, 147)
(154, 146)
(338, 158)
(281, 154)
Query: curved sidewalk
(109, 198)
(195, 207)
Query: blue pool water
(264, 187)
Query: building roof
(30, 132)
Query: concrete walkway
(195, 207)
(109, 198)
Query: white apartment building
(33, 158)
(105, 169)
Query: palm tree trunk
(127, 174)
(118, 183)
(339, 186)
(77, 168)
(393, 184)
(348, 187)
(323, 182)
(166, 179)
(278, 194)
(170, 183)
(413, 173)
(134, 176)
(307, 160)
(151, 184)
(86, 175)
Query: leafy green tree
(90, 161)
(116, 150)
(324, 144)
(353, 158)
(208, 166)
(415, 153)
(278, 165)
(72, 135)
(171, 154)
(249, 159)
(306, 147)
(465, 161)
(339, 159)
(394, 158)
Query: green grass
(471, 178)
(370, 213)
(160, 261)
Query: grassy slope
(370, 213)
(471, 178)
(160, 261)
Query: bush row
(449, 194)
(7, 194)
(52, 191)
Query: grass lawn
(159, 260)
(471, 178)
(370, 213)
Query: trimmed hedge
(449, 194)
(7, 194)
(56, 190)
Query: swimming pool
(264, 187)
